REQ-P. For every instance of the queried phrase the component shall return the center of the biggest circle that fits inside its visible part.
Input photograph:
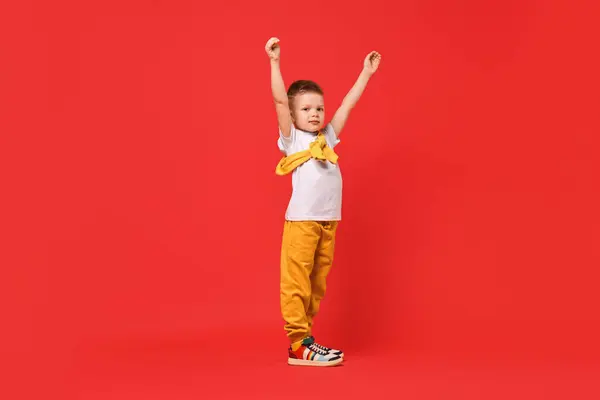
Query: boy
(314, 210)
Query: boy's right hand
(272, 48)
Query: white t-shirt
(316, 185)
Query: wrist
(274, 61)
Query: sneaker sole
(309, 363)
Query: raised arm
(341, 115)
(278, 88)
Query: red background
(141, 217)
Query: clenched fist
(372, 62)
(272, 48)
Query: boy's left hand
(372, 62)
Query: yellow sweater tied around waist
(318, 150)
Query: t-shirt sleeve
(330, 136)
(285, 144)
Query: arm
(280, 99)
(341, 115)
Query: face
(308, 112)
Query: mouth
(314, 122)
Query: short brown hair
(303, 86)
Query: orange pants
(306, 258)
